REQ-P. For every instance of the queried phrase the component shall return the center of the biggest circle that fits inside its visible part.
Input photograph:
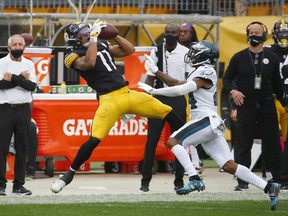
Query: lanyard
(166, 62)
(253, 63)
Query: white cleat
(57, 186)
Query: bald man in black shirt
(255, 70)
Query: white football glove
(127, 117)
(96, 29)
(145, 87)
(150, 64)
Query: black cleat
(21, 191)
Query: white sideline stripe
(165, 197)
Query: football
(28, 38)
(109, 32)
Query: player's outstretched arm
(173, 91)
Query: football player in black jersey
(280, 48)
(93, 59)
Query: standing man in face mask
(169, 58)
(255, 71)
(17, 81)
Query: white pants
(207, 131)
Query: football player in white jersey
(205, 127)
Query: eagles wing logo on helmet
(280, 33)
(203, 52)
(70, 34)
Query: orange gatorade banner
(41, 58)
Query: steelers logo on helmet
(203, 52)
(280, 33)
(72, 36)
(66, 37)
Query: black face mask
(171, 40)
(17, 53)
(255, 40)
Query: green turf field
(209, 208)
(85, 201)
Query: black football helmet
(280, 33)
(71, 35)
(203, 52)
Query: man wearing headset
(253, 81)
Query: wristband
(93, 39)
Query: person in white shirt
(17, 82)
(205, 127)
(169, 57)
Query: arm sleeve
(176, 90)
(4, 84)
(22, 82)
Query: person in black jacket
(255, 71)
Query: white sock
(246, 175)
(194, 156)
(183, 157)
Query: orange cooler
(64, 124)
